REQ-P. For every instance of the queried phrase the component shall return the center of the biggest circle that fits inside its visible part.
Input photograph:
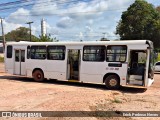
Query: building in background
(43, 28)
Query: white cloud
(10, 26)
(82, 18)
(81, 36)
(89, 29)
(20, 16)
(42, 7)
(52, 30)
(65, 22)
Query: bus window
(94, 53)
(56, 52)
(17, 55)
(137, 62)
(9, 51)
(28, 52)
(116, 53)
(38, 52)
(22, 55)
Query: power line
(38, 6)
(85, 12)
(12, 3)
(9, 4)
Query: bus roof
(124, 42)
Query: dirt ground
(23, 94)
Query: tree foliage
(140, 21)
(104, 39)
(20, 34)
(23, 34)
(158, 9)
(46, 38)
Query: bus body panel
(92, 72)
(17, 66)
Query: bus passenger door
(137, 67)
(73, 64)
(19, 62)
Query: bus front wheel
(112, 82)
(38, 75)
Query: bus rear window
(9, 51)
(116, 53)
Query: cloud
(20, 16)
(10, 26)
(65, 22)
(52, 30)
(89, 29)
(87, 19)
(45, 8)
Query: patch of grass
(1, 59)
(158, 58)
(116, 101)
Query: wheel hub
(113, 82)
(38, 76)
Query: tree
(23, 34)
(158, 9)
(104, 39)
(20, 34)
(46, 38)
(140, 21)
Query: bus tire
(38, 76)
(112, 82)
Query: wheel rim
(113, 82)
(38, 76)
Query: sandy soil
(23, 94)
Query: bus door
(19, 62)
(137, 67)
(73, 64)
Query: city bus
(112, 63)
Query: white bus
(113, 63)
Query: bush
(158, 58)
(1, 59)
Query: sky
(67, 20)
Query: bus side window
(116, 53)
(94, 53)
(22, 56)
(56, 52)
(9, 51)
(38, 52)
(17, 55)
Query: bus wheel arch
(111, 80)
(38, 75)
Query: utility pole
(4, 40)
(30, 30)
(104, 34)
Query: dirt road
(21, 93)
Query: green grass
(158, 58)
(1, 59)
(116, 101)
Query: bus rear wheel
(112, 82)
(38, 76)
